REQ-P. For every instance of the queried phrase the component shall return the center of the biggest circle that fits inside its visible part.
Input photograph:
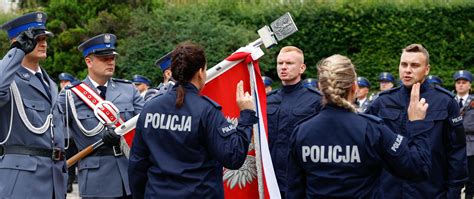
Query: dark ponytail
(186, 60)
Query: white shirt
(464, 99)
(37, 71)
(95, 84)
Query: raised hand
(244, 100)
(418, 107)
(25, 41)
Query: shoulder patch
(273, 92)
(122, 80)
(390, 90)
(215, 104)
(73, 84)
(371, 117)
(445, 91)
(311, 89)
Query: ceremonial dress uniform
(31, 144)
(338, 153)
(179, 152)
(104, 172)
(448, 147)
(285, 107)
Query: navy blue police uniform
(179, 153)
(447, 141)
(338, 153)
(285, 107)
(164, 63)
(104, 172)
(32, 163)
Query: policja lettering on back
(168, 122)
(333, 154)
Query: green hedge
(371, 34)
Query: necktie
(460, 103)
(103, 90)
(46, 88)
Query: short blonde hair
(418, 48)
(292, 49)
(336, 77)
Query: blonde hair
(292, 49)
(418, 48)
(336, 77)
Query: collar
(188, 87)
(424, 87)
(95, 84)
(362, 100)
(464, 98)
(291, 88)
(34, 72)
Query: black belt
(106, 151)
(55, 154)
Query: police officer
(31, 145)
(286, 106)
(65, 79)
(362, 100)
(434, 80)
(463, 79)
(310, 83)
(386, 82)
(104, 173)
(142, 83)
(341, 154)
(182, 138)
(448, 146)
(168, 82)
(267, 81)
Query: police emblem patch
(106, 38)
(39, 17)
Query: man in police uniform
(31, 143)
(267, 81)
(142, 83)
(286, 106)
(463, 79)
(386, 82)
(164, 63)
(448, 146)
(65, 79)
(103, 173)
(362, 101)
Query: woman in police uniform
(182, 139)
(340, 153)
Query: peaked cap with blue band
(66, 77)
(432, 79)
(462, 74)
(386, 76)
(310, 82)
(363, 82)
(267, 80)
(100, 45)
(164, 62)
(141, 79)
(34, 20)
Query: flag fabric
(256, 178)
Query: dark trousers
(470, 182)
(71, 151)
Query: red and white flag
(256, 178)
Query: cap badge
(39, 17)
(106, 38)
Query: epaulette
(215, 104)
(273, 92)
(314, 90)
(443, 90)
(73, 84)
(390, 90)
(371, 117)
(122, 80)
(306, 118)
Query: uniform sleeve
(139, 163)
(296, 182)
(8, 66)
(406, 158)
(228, 144)
(373, 107)
(456, 152)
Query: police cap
(435, 80)
(138, 79)
(100, 45)
(462, 74)
(164, 62)
(386, 76)
(66, 77)
(35, 21)
(363, 82)
(310, 83)
(267, 81)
